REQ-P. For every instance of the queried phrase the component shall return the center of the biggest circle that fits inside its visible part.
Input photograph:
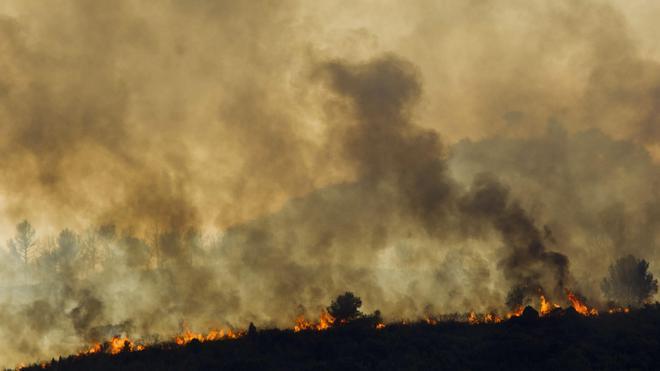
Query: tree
(345, 307)
(629, 282)
(67, 248)
(24, 240)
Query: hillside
(563, 341)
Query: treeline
(31, 256)
(628, 282)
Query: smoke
(219, 163)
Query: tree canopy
(629, 282)
(345, 307)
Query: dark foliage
(609, 342)
(345, 307)
(629, 283)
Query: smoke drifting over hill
(222, 162)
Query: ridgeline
(564, 341)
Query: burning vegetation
(547, 318)
(344, 311)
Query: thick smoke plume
(196, 164)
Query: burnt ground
(566, 341)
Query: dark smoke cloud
(527, 264)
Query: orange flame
(114, 346)
(474, 318)
(94, 348)
(579, 306)
(187, 336)
(118, 344)
(546, 306)
(325, 322)
(516, 313)
(492, 318)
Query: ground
(607, 342)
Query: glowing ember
(618, 310)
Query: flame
(516, 313)
(94, 348)
(431, 321)
(118, 344)
(302, 324)
(325, 322)
(114, 346)
(579, 306)
(187, 336)
(546, 306)
(380, 326)
(472, 318)
(492, 318)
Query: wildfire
(579, 306)
(187, 336)
(516, 313)
(546, 306)
(492, 318)
(114, 346)
(94, 348)
(325, 322)
(118, 344)
(474, 318)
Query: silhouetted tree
(23, 241)
(629, 282)
(345, 307)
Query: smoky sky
(215, 163)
